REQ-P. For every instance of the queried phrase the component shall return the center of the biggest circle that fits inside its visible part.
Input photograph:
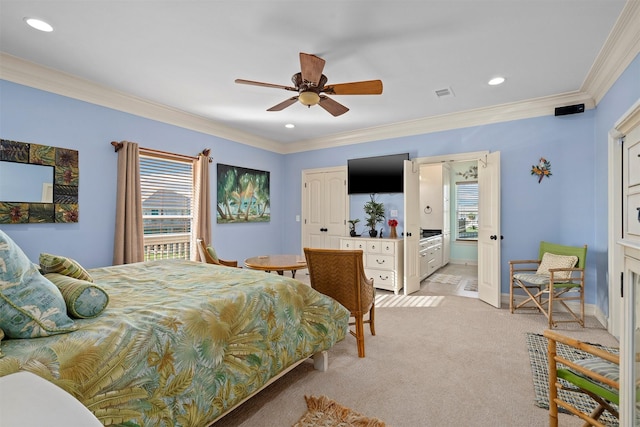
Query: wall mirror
(38, 183)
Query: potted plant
(375, 213)
(352, 226)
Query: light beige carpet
(323, 411)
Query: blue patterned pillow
(30, 305)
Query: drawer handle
(380, 262)
(384, 278)
(638, 208)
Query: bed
(181, 343)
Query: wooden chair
(340, 275)
(208, 255)
(557, 276)
(597, 376)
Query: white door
(324, 208)
(411, 227)
(489, 229)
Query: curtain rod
(118, 145)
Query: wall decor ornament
(243, 195)
(542, 169)
(57, 195)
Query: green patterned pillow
(30, 305)
(63, 265)
(84, 299)
(213, 253)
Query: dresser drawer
(379, 261)
(634, 165)
(384, 279)
(387, 248)
(373, 246)
(352, 244)
(633, 214)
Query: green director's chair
(557, 276)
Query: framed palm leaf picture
(243, 195)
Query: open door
(489, 237)
(411, 227)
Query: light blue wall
(569, 208)
(31, 115)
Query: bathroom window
(467, 210)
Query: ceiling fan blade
(311, 67)
(284, 104)
(335, 108)
(369, 87)
(252, 83)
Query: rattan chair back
(340, 274)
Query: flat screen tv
(382, 174)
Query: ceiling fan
(311, 86)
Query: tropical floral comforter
(181, 342)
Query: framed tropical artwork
(243, 195)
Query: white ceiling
(186, 54)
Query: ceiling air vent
(441, 93)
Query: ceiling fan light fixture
(309, 98)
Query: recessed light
(38, 24)
(289, 125)
(496, 81)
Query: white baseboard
(463, 261)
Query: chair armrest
(228, 263)
(587, 348)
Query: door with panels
(324, 207)
(629, 304)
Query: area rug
(471, 285)
(386, 300)
(537, 346)
(449, 279)
(324, 412)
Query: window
(167, 206)
(467, 210)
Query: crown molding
(27, 73)
(622, 47)
(544, 106)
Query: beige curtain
(129, 236)
(201, 202)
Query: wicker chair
(597, 376)
(340, 275)
(206, 255)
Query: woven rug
(449, 279)
(471, 285)
(324, 412)
(537, 346)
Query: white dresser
(383, 260)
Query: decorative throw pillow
(84, 299)
(30, 305)
(63, 265)
(213, 253)
(550, 260)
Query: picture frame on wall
(243, 195)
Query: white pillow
(550, 260)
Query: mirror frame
(65, 184)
